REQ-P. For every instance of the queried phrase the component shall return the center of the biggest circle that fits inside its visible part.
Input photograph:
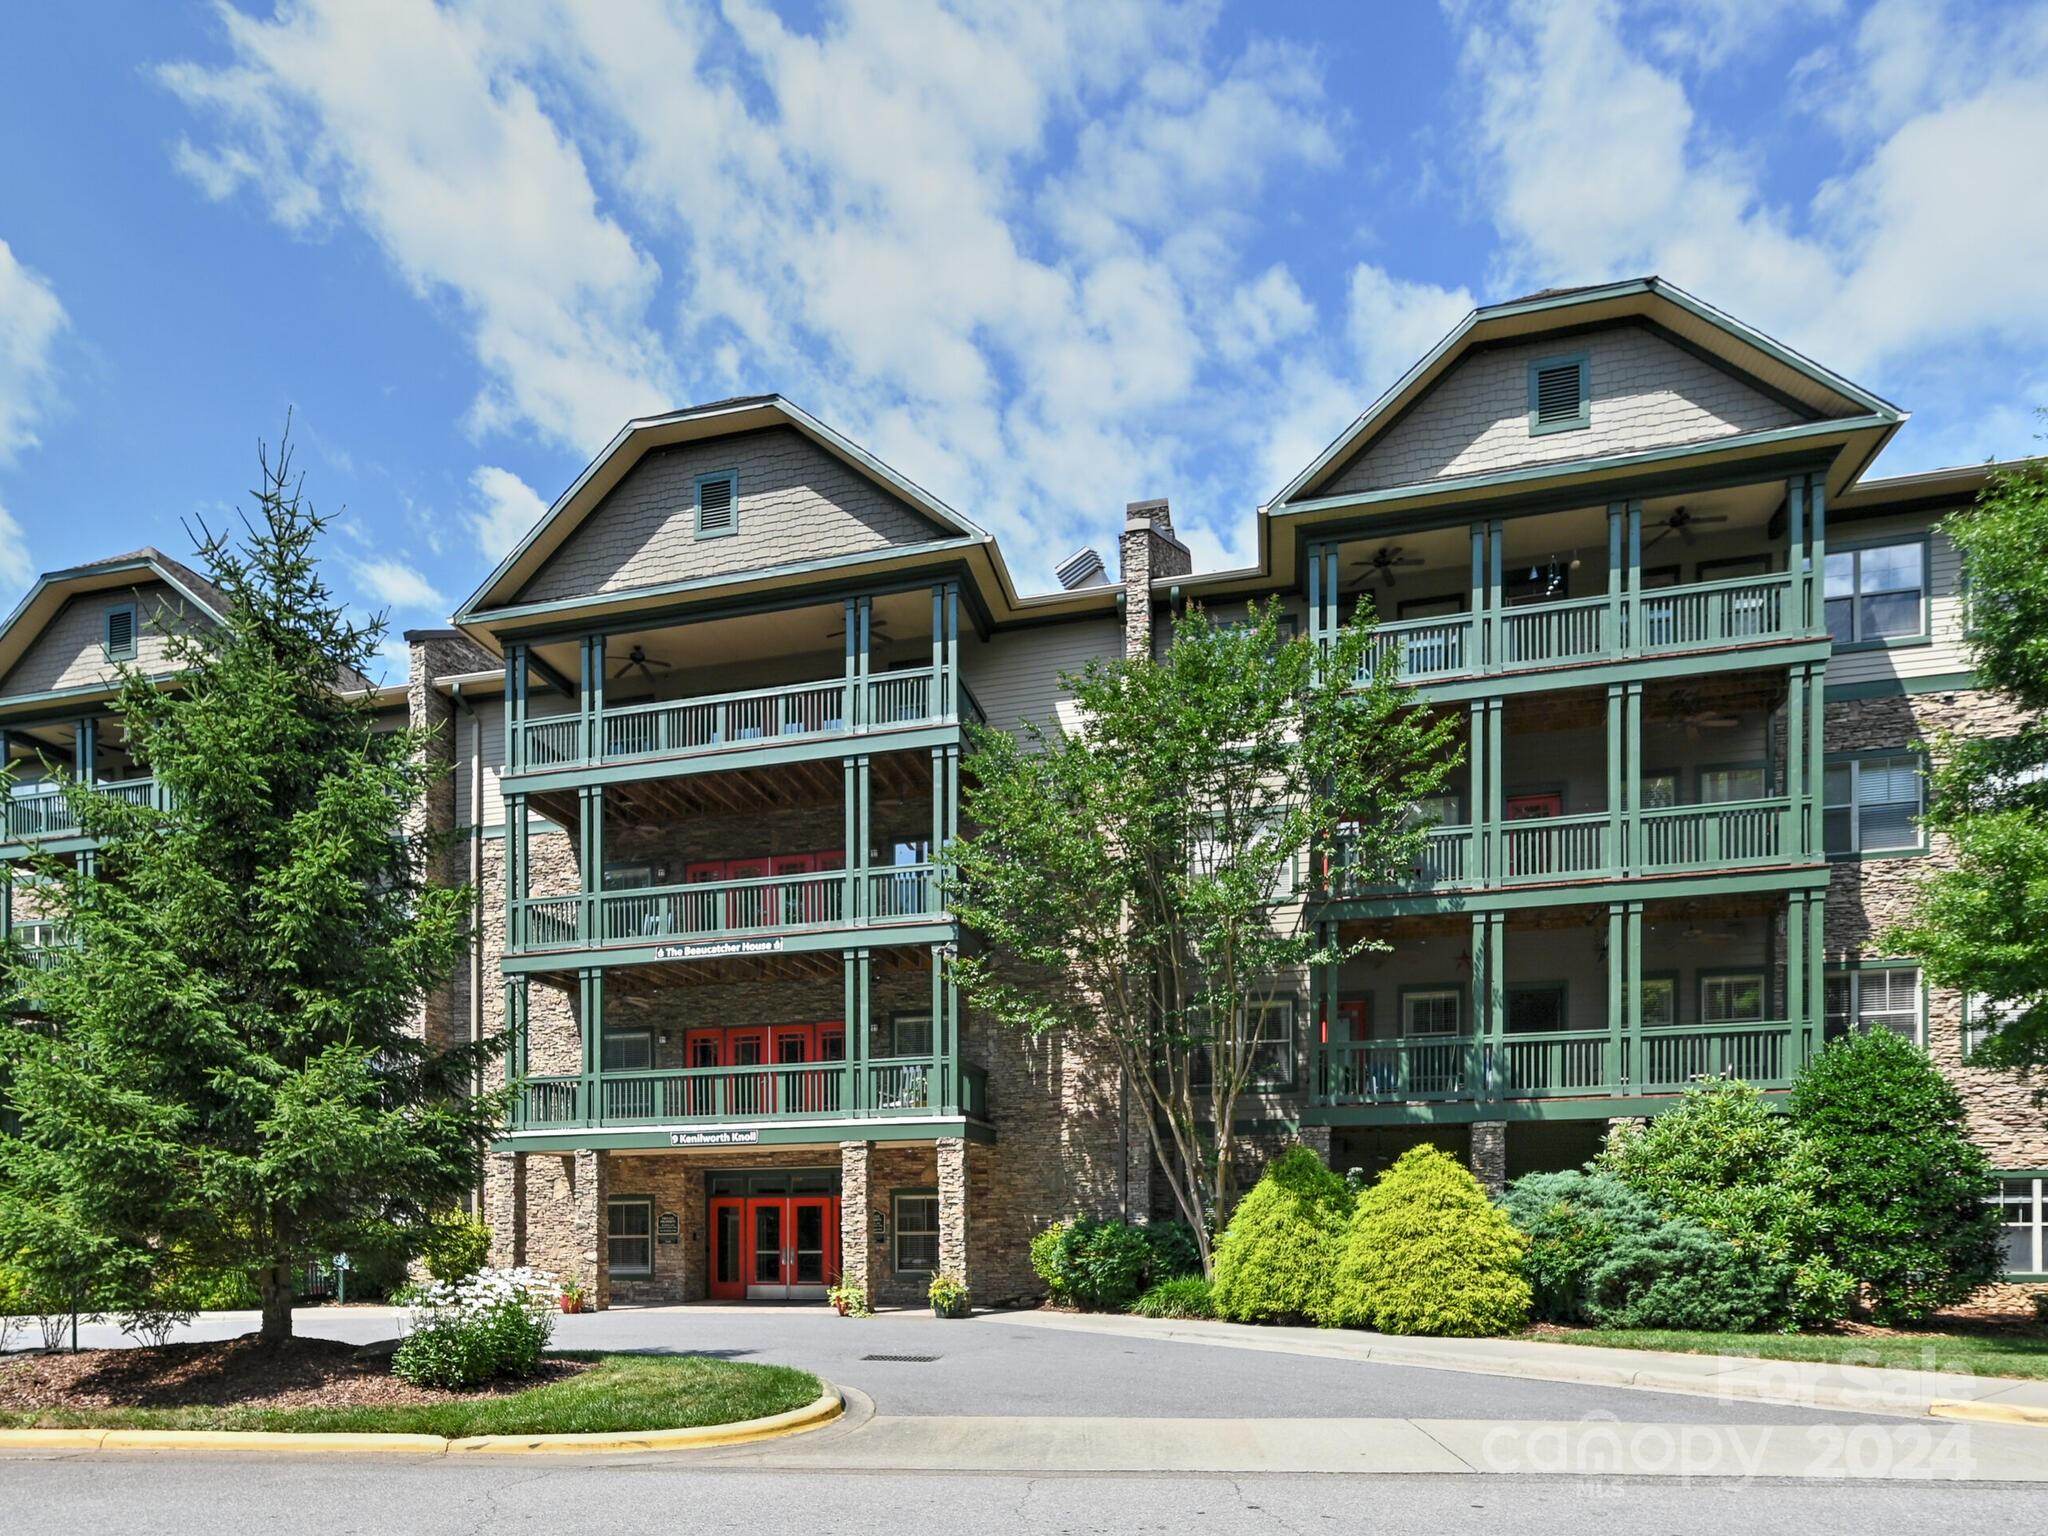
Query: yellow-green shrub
(1273, 1260)
(1426, 1252)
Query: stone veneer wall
(1865, 896)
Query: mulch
(243, 1373)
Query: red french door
(774, 1247)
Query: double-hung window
(629, 1235)
(1732, 998)
(1432, 1011)
(915, 1241)
(1873, 804)
(1877, 593)
(2023, 1204)
(1886, 997)
(1270, 1027)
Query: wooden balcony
(1559, 1064)
(1664, 623)
(42, 818)
(896, 1088)
(710, 726)
(1728, 836)
(709, 911)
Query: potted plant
(850, 1301)
(948, 1297)
(572, 1296)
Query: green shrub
(1729, 1161)
(455, 1246)
(1426, 1252)
(1181, 1296)
(1096, 1265)
(1173, 1250)
(1678, 1274)
(1902, 1204)
(1274, 1260)
(493, 1324)
(1572, 1221)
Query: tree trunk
(274, 1285)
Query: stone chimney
(1148, 552)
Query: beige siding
(484, 732)
(1646, 393)
(70, 652)
(1015, 676)
(1944, 653)
(796, 503)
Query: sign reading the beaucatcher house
(713, 1138)
(718, 949)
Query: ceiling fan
(1698, 717)
(1386, 560)
(638, 657)
(878, 628)
(1682, 523)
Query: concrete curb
(828, 1406)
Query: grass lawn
(618, 1392)
(1976, 1354)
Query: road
(1012, 1427)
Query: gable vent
(1560, 394)
(715, 510)
(120, 634)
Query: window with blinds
(1872, 804)
(1885, 997)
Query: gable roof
(1819, 392)
(53, 589)
(718, 418)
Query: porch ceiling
(794, 786)
(627, 981)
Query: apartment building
(705, 729)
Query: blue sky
(1043, 257)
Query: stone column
(954, 1259)
(1489, 1154)
(1317, 1139)
(505, 1207)
(589, 1224)
(1137, 1203)
(856, 1241)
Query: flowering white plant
(496, 1322)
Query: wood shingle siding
(71, 650)
(796, 503)
(1646, 393)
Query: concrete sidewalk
(1787, 1383)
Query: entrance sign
(668, 1228)
(713, 1138)
(719, 948)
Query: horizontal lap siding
(484, 731)
(796, 503)
(1646, 393)
(1015, 676)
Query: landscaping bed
(1986, 1349)
(321, 1386)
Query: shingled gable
(54, 641)
(1661, 370)
(634, 520)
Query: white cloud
(30, 319)
(507, 509)
(17, 570)
(398, 585)
(1003, 245)
(1597, 163)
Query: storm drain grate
(904, 1359)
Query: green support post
(1616, 514)
(515, 873)
(1496, 604)
(1615, 1055)
(1816, 976)
(1632, 770)
(1795, 976)
(1794, 827)
(1496, 795)
(1318, 634)
(1632, 579)
(1478, 1069)
(1797, 558)
(590, 1003)
(862, 852)
(849, 832)
(515, 706)
(1617, 796)
(1496, 1001)
(1632, 998)
(1480, 660)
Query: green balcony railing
(832, 1090)
(1569, 1063)
(1556, 848)
(795, 713)
(1721, 836)
(1669, 621)
(721, 909)
(39, 813)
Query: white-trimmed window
(1872, 804)
(2022, 1202)
(914, 1240)
(629, 1235)
(1432, 1011)
(1880, 997)
(1272, 1033)
(1735, 997)
(1877, 593)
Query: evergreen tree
(225, 1071)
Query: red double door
(811, 1053)
(774, 1247)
